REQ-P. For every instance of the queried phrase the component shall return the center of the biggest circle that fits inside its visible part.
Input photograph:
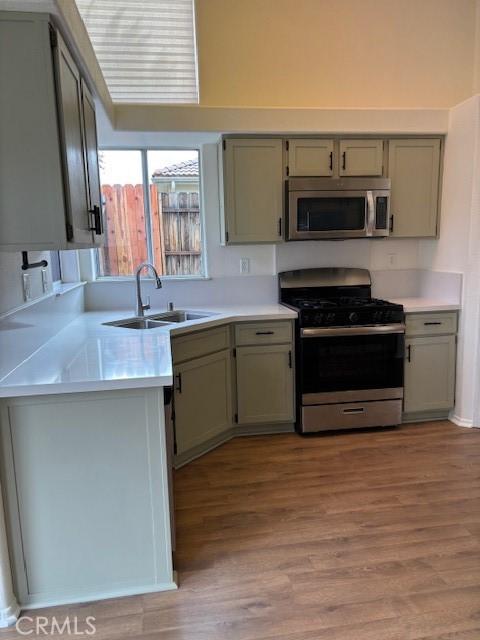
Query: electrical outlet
(45, 283)
(27, 290)
(392, 259)
(244, 265)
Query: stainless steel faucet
(140, 308)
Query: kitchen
(83, 401)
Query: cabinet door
(69, 98)
(310, 157)
(253, 183)
(91, 162)
(361, 157)
(414, 168)
(265, 384)
(430, 373)
(202, 399)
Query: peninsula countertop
(86, 355)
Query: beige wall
(336, 53)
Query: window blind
(145, 48)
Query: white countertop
(417, 305)
(88, 356)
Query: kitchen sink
(179, 316)
(137, 323)
(157, 320)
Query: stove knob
(318, 318)
(330, 317)
(353, 317)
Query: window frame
(146, 183)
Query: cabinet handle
(264, 333)
(344, 160)
(428, 324)
(280, 227)
(409, 353)
(331, 160)
(97, 220)
(289, 359)
(179, 383)
(391, 223)
(354, 410)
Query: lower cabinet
(265, 384)
(430, 357)
(202, 400)
(430, 373)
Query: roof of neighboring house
(188, 168)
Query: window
(145, 48)
(151, 203)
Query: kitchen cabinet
(265, 384)
(85, 478)
(414, 169)
(264, 372)
(253, 190)
(430, 347)
(202, 400)
(361, 158)
(49, 184)
(310, 157)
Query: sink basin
(179, 316)
(137, 323)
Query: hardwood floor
(353, 536)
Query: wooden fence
(176, 234)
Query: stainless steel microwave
(327, 208)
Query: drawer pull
(264, 333)
(409, 353)
(356, 410)
(428, 324)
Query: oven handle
(320, 332)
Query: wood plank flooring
(354, 536)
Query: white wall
(11, 290)
(458, 248)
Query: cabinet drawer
(427, 324)
(351, 416)
(263, 332)
(200, 343)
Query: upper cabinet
(253, 190)
(49, 183)
(310, 157)
(361, 158)
(414, 169)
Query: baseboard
(460, 422)
(40, 602)
(263, 429)
(425, 416)
(235, 432)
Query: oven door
(316, 215)
(352, 363)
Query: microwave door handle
(370, 214)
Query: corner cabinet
(49, 180)
(252, 179)
(430, 348)
(414, 169)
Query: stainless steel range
(349, 347)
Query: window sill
(60, 288)
(110, 279)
